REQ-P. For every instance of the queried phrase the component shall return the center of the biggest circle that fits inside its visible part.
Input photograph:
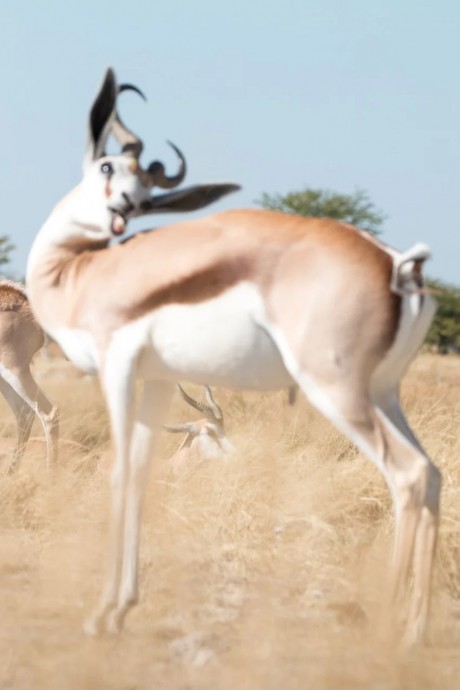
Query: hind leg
(46, 412)
(24, 415)
(414, 483)
(21, 383)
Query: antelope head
(206, 435)
(115, 188)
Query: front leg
(118, 383)
(150, 416)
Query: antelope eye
(107, 168)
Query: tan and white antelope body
(246, 299)
(204, 439)
(20, 339)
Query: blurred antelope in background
(205, 439)
(244, 299)
(20, 339)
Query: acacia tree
(5, 249)
(356, 208)
(444, 331)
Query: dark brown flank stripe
(220, 276)
(255, 261)
(195, 287)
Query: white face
(112, 188)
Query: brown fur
(17, 325)
(21, 337)
(12, 296)
(200, 259)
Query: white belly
(78, 346)
(218, 342)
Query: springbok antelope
(20, 339)
(246, 299)
(205, 439)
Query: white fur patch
(79, 347)
(219, 342)
(416, 314)
(13, 381)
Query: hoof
(414, 635)
(111, 624)
(114, 623)
(92, 627)
(95, 625)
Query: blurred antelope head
(205, 439)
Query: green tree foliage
(356, 208)
(444, 332)
(5, 249)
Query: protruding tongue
(118, 224)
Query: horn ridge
(179, 428)
(130, 143)
(201, 407)
(217, 410)
(132, 87)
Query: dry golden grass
(265, 572)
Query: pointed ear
(100, 118)
(188, 199)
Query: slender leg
(425, 545)
(387, 400)
(119, 386)
(415, 486)
(25, 386)
(150, 417)
(48, 415)
(24, 419)
(374, 421)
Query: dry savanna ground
(267, 571)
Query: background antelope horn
(179, 428)
(217, 411)
(205, 409)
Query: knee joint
(422, 484)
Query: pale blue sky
(277, 95)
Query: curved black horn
(131, 87)
(157, 171)
(217, 411)
(201, 407)
(129, 142)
